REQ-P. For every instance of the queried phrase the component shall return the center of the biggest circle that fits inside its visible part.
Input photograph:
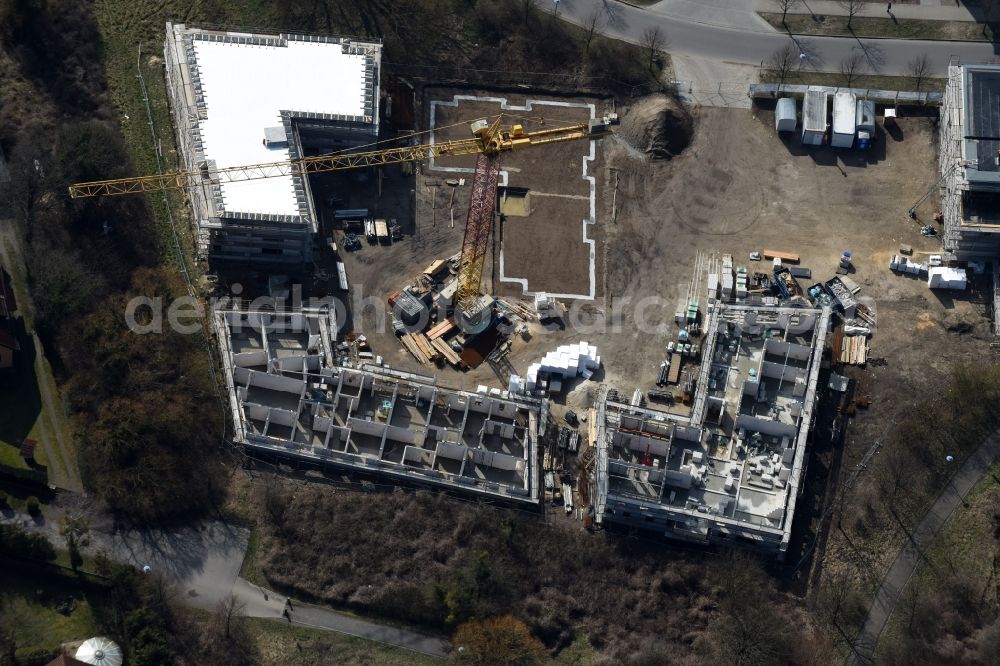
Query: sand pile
(657, 126)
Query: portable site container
(784, 115)
(845, 119)
(814, 106)
(866, 123)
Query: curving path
(967, 476)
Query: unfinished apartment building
(730, 471)
(241, 99)
(289, 399)
(970, 162)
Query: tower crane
(490, 139)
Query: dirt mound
(657, 126)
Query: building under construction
(731, 470)
(242, 99)
(970, 162)
(290, 398)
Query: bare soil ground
(737, 188)
(545, 248)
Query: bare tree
(528, 6)
(594, 23)
(852, 7)
(785, 5)
(653, 42)
(920, 67)
(75, 529)
(229, 613)
(851, 66)
(783, 61)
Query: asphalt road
(748, 42)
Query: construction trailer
(814, 105)
(865, 119)
(845, 120)
(785, 115)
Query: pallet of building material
(518, 309)
(784, 256)
(449, 354)
(414, 349)
(862, 350)
(864, 314)
(442, 328)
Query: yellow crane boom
(491, 138)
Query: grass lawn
(863, 26)
(289, 645)
(874, 81)
(248, 569)
(46, 611)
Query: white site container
(784, 115)
(845, 119)
(814, 106)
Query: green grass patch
(45, 611)
(873, 81)
(248, 569)
(579, 653)
(863, 26)
(290, 645)
(10, 456)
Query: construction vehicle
(490, 139)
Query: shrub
(497, 641)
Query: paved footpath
(205, 560)
(260, 602)
(967, 476)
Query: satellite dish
(100, 651)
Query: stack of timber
(447, 352)
(854, 350)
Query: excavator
(490, 139)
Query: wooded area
(145, 411)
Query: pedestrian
(888, 9)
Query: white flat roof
(845, 113)
(246, 87)
(814, 111)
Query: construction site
(504, 283)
